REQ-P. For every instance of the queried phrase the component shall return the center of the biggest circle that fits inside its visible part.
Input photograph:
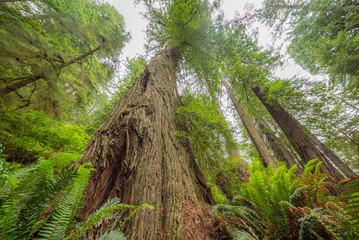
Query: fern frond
(243, 235)
(40, 201)
(317, 167)
(67, 208)
(105, 212)
(8, 216)
(309, 166)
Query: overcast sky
(137, 25)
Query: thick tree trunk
(300, 141)
(139, 159)
(258, 142)
(278, 148)
(333, 158)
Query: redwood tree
(281, 152)
(136, 153)
(297, 136)
(256, 139)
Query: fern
(243, 235)
(107, 211)
(30, 194)
(309, 167)
(351, 222)
(42, 200)
(38, 202)
(276, 204)
(62, 218)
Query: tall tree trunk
(139, 159)
(258, 142)
(242, 167)
(333, 158)
(278, 148)
(300, 141)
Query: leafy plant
(206, 134)
(42, 200)
(350, 223)
(29, 135)
(277, 204)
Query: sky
(136, 24)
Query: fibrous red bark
(257, 141)
(139, 159)
(296, 135)
(278, 148)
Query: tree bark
(278, 148)
(333, 158)
(300, 141)
(242, 167)
(22, 82)
(139, 159)
(258, 142)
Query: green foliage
(350, 223)
(206, 133)
(187, 27)
(324, 34)
(205, 130)
(329, 112)
(26, 136)
(243, 61)
(30, 201)
(277, 204)
(72, 45)
(42, 200)
(106, 212)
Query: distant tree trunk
(278, 148)
(229, 138)
(288, 146)
(258, 142)
(300, 141)
(242, 168)
(139, 159)
(333, 158)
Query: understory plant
(277, 204)
(42, 200)
(29, 135)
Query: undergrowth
(42, 200)
(30, 135)
(277, 204)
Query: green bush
(41, 200)
(277, 204)
(27, 136)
